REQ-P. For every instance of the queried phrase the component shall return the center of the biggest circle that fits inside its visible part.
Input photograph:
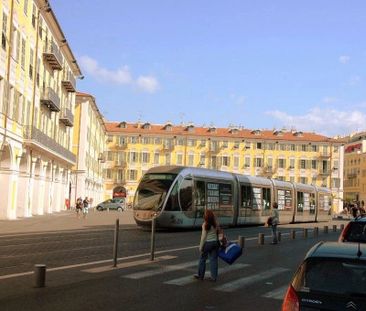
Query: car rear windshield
(334, 276)
(356, 232)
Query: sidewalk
(66, 220)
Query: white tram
(178, 196)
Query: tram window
(312, 203)
(300, 201)
(266, 194)
(172, 204)
(185, 195)
(246, 197)
(200, 193)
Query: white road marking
(160, 270)
(234, 285)
(189, 279)
(128, 264)
(278, 293)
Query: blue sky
(258, 64)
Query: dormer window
(190, 128)
(299, 134)
(278, 132)
(212, 129)
(122, 125)
(146, 126)
(234, 130)
(168, 127)
(256, 132)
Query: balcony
(167, 147)
(121, 163)
(324, 172)
(324, 155)
(351, 175)
(101, 157)
(37, 139)
(52, 56)
(67, 117)
(121, 146)
(68, 82)
(50, 99)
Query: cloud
(344, 59)
(329, 100)
(147, 83)
(120, 76)
(325, 121)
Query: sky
(257, 64)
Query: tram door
(186, 198)
(199, 196)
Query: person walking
(208, 246)
(85, 207)
(79, 206)
(275, 221)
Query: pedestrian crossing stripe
(189, 279)
(245, 281)
(160, 270)
(128, 264)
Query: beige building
(89, 144)
(294, 156)
(37, 87)
(355, 167)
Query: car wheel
(120, 209)
(99, 208)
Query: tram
(177, 196)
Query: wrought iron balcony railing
(50, 99)
(53, 56)
(67, 117)
(34, 136)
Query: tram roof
(254, 180)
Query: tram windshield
(152, 191)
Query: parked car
(354, 231)
(332, 277)
(118, 204)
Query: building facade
(285, 155)
(89, 144)
(37, 98)
(355, 168)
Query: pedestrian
(362, 208)
(354, 209)
(275, 221)
(208, 246)
(79, 206)
(85, 206)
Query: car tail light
(344, 232)
(291, 301)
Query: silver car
(118, 204)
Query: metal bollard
(293, 234)
(40, 275)
(241, 240)
(305, 232)
(115, 244)
(152, 248)
(261, 238)
(316, 232)
(325, 229)
(342, 227)
(279, 236)
(334, 228)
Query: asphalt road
(80, 274)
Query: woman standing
(208, 246)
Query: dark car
(354, 231)
(118, 204)
(332, 277)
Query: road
(80, 275)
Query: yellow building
(37, 85)
(355, 168)
(285, 155)
(89, 144)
